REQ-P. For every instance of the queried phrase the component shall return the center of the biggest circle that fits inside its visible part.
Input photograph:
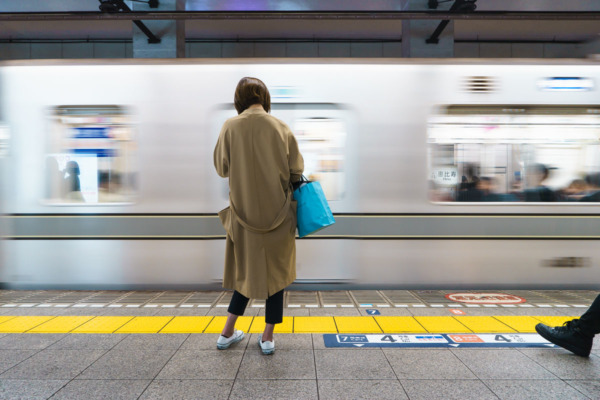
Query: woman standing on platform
(259, 155)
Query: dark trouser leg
(589, 322)
(238, 303)
(274, 308)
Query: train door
(322, 132)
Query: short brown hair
(250, 91)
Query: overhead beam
(314, 15)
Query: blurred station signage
(445, 175)
(485, 298)
(566, 84)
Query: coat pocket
(227, 221)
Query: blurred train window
(90, 156)
(322, 143)
(523, 153)
(321, 130)
(4, 138)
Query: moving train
(107, 179)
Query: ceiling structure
(476, 30)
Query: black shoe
(568, 336)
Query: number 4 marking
(388, 338)
(501, 338)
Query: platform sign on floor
(372, 311)
(438, 340)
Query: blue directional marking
(372, 311)
(353, 339)
(436, 340)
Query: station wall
(124, 49)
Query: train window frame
(119, 117)
(443, 113)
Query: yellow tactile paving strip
(400, 325)
(485, 324)
(442, 325)
(191, 324)
(60, 324)
(315, 325)
(6, 318)
(100, 325)
(520, 323)
(144, 325)
(356, 324)
(187, 325)
(22, 324)
(286, 326)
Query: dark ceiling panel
(297, 29)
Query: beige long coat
(259, 155)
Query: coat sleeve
(296, 161)
(222, 152)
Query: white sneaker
(267, 347)
(224, 342)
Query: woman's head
(250, 91)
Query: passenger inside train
(486, 189)
(593, 188)
(532, 154)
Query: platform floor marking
(484, 324)
(442, 325)
(103, 324)
(217, 324)
(144, 325)
(314, 325)
(258, 325)
(61, 324)
(399, 325)
(437, 340)
(5, 318)
(23, 324)
(356, 324)
(187, 324)
(338, 324)
(520, 323)
(548, 320)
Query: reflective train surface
(441, 173)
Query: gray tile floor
(38, 366)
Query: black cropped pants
(273, 311)
(590, 321)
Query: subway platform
(359, 344)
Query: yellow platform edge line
(252, 324)
(71, 321)
(179, 320)
(145, 324)
(6, 318)
(27, 327)
(120, 320)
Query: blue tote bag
(313, 213)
